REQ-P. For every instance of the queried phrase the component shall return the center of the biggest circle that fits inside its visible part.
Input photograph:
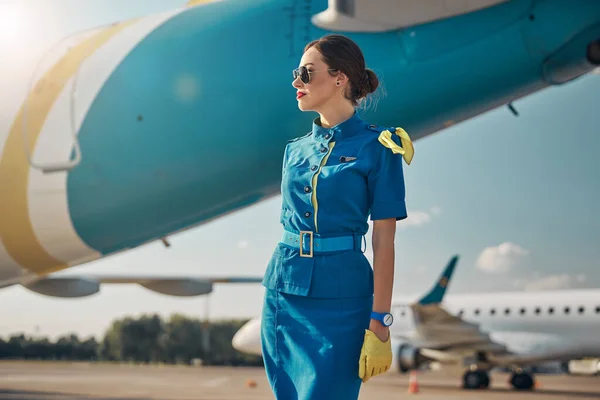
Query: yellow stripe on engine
(313, 198)
(16, 230)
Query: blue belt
(311, 242)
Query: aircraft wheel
(476, 380)
(521, 381)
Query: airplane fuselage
(558, 321)
(182, 117)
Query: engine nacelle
(179, 287)
(409, 358)
(64, 287)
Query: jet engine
(64, 287)
(179, 287)
(407, 358)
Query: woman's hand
(382, 332)
(375, 356)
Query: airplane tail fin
(436, 294)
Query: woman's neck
(336, 115)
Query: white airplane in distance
(473, 333)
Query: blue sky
(516, 197)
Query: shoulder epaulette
(300, 137)
(406, 149)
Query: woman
(325, 322)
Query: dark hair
(341, 53)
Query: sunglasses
(304, 73)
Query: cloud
(559, 281)
(436, 210)
(418, 218)
(502, 258)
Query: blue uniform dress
(316, 308)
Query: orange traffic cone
(413, 385)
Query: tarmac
(20, 380)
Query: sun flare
(12, 24)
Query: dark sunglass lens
(304, 75)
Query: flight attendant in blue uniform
(326, 312)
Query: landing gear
(479, 379)
(476, 379)
(521, 380)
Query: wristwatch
(385, 318)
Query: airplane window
(581, 310)
(523, 311)
(477, 311)
(507, 311)
(567, 310)
(460, 313)
(402, 313)
(537, 310)
(598, 310)
(493, 311)
(551, 310)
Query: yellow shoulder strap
(407, 150)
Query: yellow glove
(375, 356)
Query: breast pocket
(342, 176)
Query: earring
(337, 84)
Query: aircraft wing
(85, 285)
(436, 329)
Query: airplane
(473, 333)
(138, 130)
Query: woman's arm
(384, 231)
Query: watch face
(388, 319)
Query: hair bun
(370, 81)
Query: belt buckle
(310, 234)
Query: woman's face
(321, 88)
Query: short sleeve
(386, 184)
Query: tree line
(147, 339)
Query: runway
(70, 381)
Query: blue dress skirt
(311, 345)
